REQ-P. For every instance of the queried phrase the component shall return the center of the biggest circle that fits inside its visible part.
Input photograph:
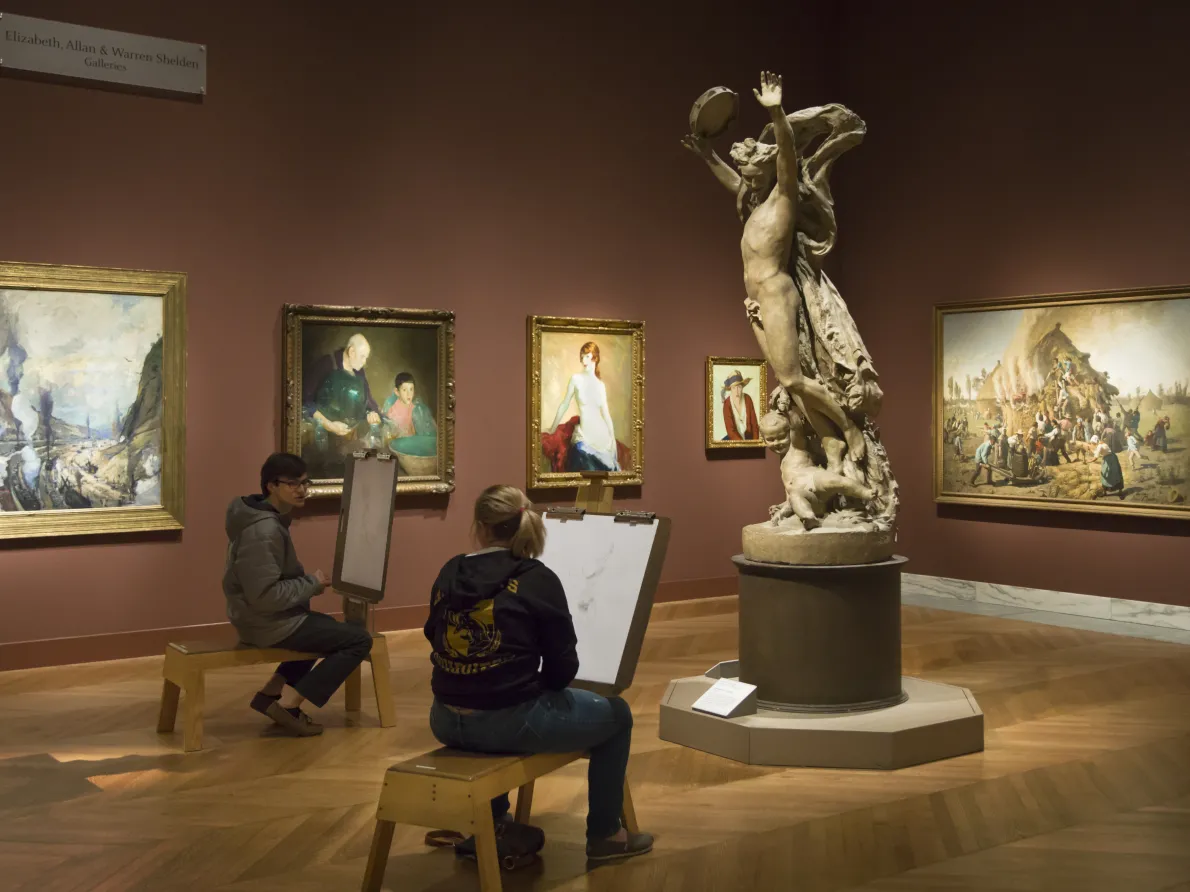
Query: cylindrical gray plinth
(821, 638)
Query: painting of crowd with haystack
(1079, 403)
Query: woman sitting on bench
(496, 616)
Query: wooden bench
(186, 664)
(452, 789)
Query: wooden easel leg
(382, 683)
(192, 707)
(351, 690)
(596, 493)
(382, 841)
(168, 716)
(524, 803)
(629, 815)
(486, 855)
(604, 503)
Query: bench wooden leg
(382, 683)
(351, 690)
(486, 855)
(524, 803)
(192, 706)
(382, 841)
(168, 716)
(629, 816)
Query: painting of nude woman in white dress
(586, 399)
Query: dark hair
(278, 465)
(403, 378)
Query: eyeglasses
(296, 484)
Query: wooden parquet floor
(1084, 784)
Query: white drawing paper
(602, 567)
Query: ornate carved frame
(170, 287)
(537, 325)
(294, 316)
(716, 405)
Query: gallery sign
(38, 46)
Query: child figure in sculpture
(808, 487)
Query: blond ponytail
(505, 515)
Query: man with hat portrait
(739, 414)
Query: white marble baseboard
(1024, 599)
(1169, 616)
(1043, 599)
(938, 586)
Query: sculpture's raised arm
(723, 171)
(769, 95)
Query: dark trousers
(344, 645)
(556, 722)
(981, 467)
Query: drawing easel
(595, 495)
(361, 564)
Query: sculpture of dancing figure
(774, 299)
(826, 376)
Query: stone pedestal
(821, 638)
(822, 644)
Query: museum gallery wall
(499, 167)
(977, 186)
(482, 164)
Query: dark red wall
(1013, 148)
(494, 159)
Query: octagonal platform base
(937, 721)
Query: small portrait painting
(737, 394)
(370, 379)
(586, 400)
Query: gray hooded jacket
(268, 591)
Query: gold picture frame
(754, 371)
(554, 346)
(414, 346)
(138, 453)
(1093, 369)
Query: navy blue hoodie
(501, 631)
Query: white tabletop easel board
(609, 565)
(365, 525)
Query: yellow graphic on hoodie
(470, 637)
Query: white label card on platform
(723, 697)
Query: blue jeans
(556, 722)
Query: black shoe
(294, 721)
(610, 850)
(512, 840)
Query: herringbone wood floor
(1084, 785)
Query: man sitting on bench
(268, 599)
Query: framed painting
(737, 394)
(586, 401)
(1072, 402)
(92, 400)
(359, 378)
